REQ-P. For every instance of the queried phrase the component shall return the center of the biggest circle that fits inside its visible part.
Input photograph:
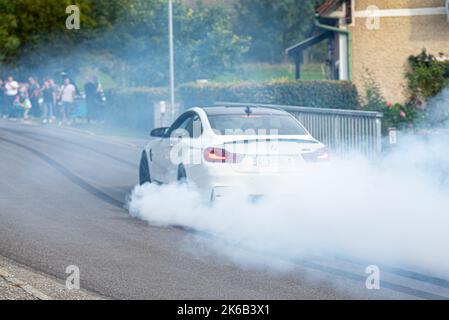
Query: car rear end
(256, 167)
(256, 163)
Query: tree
(273, 25)
(125, 38)
(9, 40)
(205, 44)
(26, 26)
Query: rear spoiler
(246, 141)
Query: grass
(266, 72)
(257, 72)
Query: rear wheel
(144, 169)
(182, 175)
(213, 196)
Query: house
(378, 36)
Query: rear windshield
(264, 124)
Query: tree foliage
(128, 38)
(26, 26)
(205, 44)
(428, 91)
(427, 76)
(274, 25)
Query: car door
(193, 146)
(162, 160)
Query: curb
(24, 286)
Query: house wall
(398, 4)
(385, 51)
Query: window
(263, 124)
(195, 127)
(180, 123)
(188, 125)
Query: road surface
(62, 199)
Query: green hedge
(133, 107)
(319, 94)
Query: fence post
(378, 136)
(337, 133)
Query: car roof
(224, 110)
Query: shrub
(395, 114)
(133, 107)
(427, 102)
(401, 116)
(427, 76)
(373, 99)
(322, 94)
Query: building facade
(378, 36)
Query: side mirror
(159, 132)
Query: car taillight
(320, 155)
(221, 156)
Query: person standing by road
(48, 105)
(56, 91)
(101, 100)
(2, 98)
(11, 91)
(22, 106)
(67, 97)
(90, 90)
(34, 94)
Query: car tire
(213, 196)
(144, 169)
(182, 175)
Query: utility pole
(172, 59)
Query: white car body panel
(266, 158)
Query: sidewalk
(21, 283)
(10, 290)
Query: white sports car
(221, 148)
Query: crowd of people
(51, 102)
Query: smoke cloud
(391, 210)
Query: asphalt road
(62, 199)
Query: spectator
(34, 94)
(22, 106)
(101, 99)
(2, 98)
(56, 92)
(11, 91)
(23, 89)
(90, 90)
(67, 98)
(48, 94)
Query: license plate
(265, 162)
(271, 162)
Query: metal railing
(343, 131)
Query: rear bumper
(253, 185)
(219, 181)
(229, 192)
